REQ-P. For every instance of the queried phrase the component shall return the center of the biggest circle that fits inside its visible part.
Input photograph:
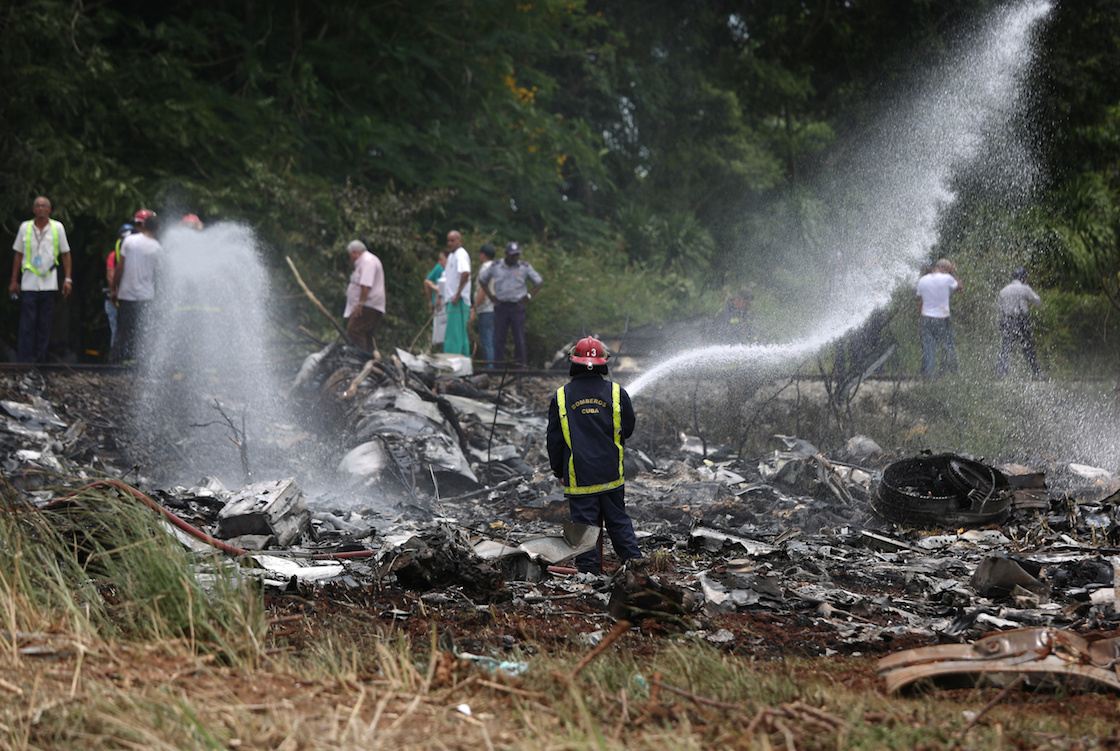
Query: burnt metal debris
(943, 490)
(437, 484)
(273, 510)
(1062, 657)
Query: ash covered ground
(424, 491)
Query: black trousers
(1014, 329)
(133, 325)
(511, 316)
(609, 511)
(36, 313)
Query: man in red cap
(589, 419)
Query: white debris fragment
(1092, 474)
(302, 570)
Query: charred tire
(943, 490)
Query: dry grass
(78, 669)
(99, 697)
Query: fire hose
(189, 528)
(225, 546)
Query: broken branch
(315, 300)
(996, 700)
(619, 629)
(694, 697)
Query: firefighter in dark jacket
(589, 419)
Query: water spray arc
(960, 116)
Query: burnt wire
(758, 411)
(494, 422)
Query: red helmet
(141, 216)
(192, 221)
(589, 351)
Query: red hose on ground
(563, 570)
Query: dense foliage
(672, 143)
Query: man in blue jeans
(483, 308)
(934, 291)
(589, 420)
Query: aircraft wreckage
(440, 487)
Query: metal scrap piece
(1045, 651)
(715, 541)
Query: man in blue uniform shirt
(589, 419)
(506, 284)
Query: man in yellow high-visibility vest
(589, 420)
(40, 247)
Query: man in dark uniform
(505, 284)
(1015, 301)
(589, 419)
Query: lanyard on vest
(616, 409)
(27, 266)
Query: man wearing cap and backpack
(505, 284)
(589, 420)
(1015, 301)
(41, 247)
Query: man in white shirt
(40, 247)
(934, 291)
(365, 297)
(455, 289)
(1015, 322)
(134, 286)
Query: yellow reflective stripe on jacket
(27, 256)
(117, 254)
(616, 408)
(616, 402)
(562, 407)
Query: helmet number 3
(591, 352)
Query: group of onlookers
(41, 249)
(501, 295)
(497, 305)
